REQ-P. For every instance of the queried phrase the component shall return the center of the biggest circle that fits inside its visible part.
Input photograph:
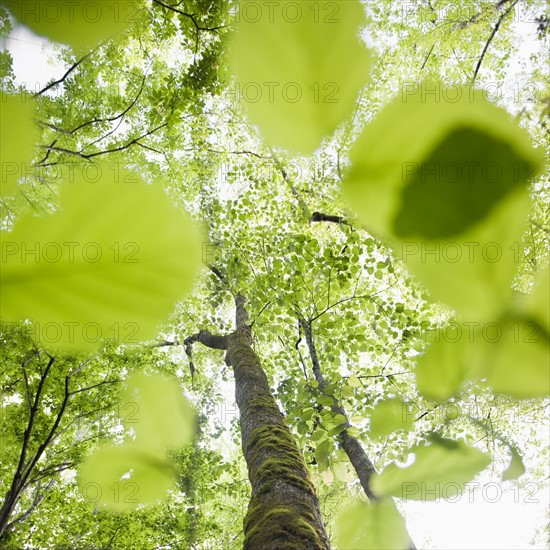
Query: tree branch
(490, 39)
(69, 71)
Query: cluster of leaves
(173, 124)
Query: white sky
(30, 54)
(474, 522)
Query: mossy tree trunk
(283, 513)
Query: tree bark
(283, 512)
(361, 463)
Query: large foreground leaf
(440, 470)
(79, 23)
(446, 180)
(138, 472)
(110, 265)
(371, 526)
(125, 476)
(299, 67)
(388, 416)
(163, 417)
(17, 139)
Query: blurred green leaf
(163, 416)
(96, 269)
(371, 526)
(123, 477)
(388, 416)
(288, 63)
(515, 468)
(79, 23)
(447, 180)
(439, 470)
(18, 136)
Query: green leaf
(353, 381)
(79, 23)
(403, 162)
(104, 479)
(339, 419)
(538, 302)
(323, 450)
(440, 372)
(318, 434)
(353, 431)
(371, 526)
(516, 468)
(518, 364)
(302, 428)
(439, 471)
(110, 265)
(388, 416)
(18, 137)
(447, 181)
(163, 417)
(287, 59)
(325, 400)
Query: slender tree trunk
(283, 513)
(361, 463)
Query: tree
(317, 281)
(283, 510)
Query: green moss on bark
(281, 524)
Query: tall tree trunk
(283, 513)
(361, 463)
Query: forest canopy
(274, 275)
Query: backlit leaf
(125, 476)
(287, 58)
(388, 416)
(79, 23)
(163, 416)
(110, 265)
(440, 470)
(371, 526)
(446, 180)
(18, 137)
